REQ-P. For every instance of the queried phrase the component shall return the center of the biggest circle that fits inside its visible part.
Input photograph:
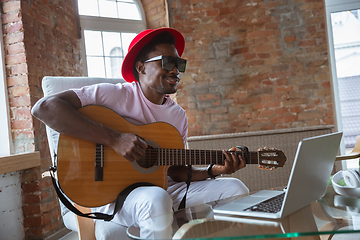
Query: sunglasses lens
(168, 63)
(182, 65)
(168, 66)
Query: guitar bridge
(99, 162)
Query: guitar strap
(188, 181)
(96, 215)
(181, 217)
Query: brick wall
(52, 49)
(156, 12)
(253, 64)
(40, 38)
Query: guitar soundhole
(149, 158)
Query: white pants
(144, 203)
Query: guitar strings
(163, 156)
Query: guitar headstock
(271, 158)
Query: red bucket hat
(140, 41)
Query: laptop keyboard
(272, 205)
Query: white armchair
(84, 226)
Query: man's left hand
(232, 163)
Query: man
(152, 68)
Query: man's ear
(140, 68)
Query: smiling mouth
(172, 80)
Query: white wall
(11, 216)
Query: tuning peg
(267, 167)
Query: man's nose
(175, 71)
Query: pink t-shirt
(128, 100)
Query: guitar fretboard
(163, 156)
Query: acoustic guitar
(92, 174)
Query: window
(5, 130)
(107, 27)
(343, 20)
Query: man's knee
(233, 186)
(241, 186)
(155, 201)
(158, 196)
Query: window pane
(113, 67)
(128, 11)
(93, 43)
(108, 9)
(123, 9)
(116, 52)
(88, 7)
(95, 66)
(111, 41)
(126, 40)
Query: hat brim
(129, 60)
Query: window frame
(111, 25)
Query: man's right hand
(130, 146)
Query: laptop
(308, 180)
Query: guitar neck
(161, 156)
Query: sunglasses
(169, 62)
